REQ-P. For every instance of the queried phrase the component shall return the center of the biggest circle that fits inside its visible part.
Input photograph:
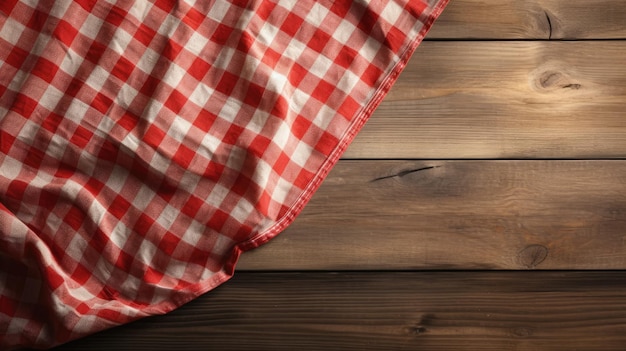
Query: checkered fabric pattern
(145, 144)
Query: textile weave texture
(144, 145)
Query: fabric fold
(144, 145)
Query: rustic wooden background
(483, 206)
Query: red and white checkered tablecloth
(145, 144)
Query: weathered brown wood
(503, 100)
(457, 215)
(391, 311)
(531, 19)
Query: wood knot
(556, 80)
(420, 327)
(522, 332)
(549, 79)
(416, 330)
(532, 255)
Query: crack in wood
(575, 86)
(403, 173)
(549, 25)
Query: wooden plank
(503, 100)
(531, 19)
(390, 311)
(398, 215)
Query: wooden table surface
(483, 206)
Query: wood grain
(397, 215)
(390, 311)
(503, 100)
(531, 19)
